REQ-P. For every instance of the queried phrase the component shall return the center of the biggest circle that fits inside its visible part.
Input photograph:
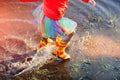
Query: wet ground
(95, 48)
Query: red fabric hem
(85, 1)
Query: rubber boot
(60, 48)
(44, 43)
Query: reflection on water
(94, 49)
(96, 54)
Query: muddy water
(94, 49)
(96, 54)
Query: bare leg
(44, 39)
(68, 37)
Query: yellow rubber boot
(44, 43)
(60, 49)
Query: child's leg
(68, 37)
(62, 44)
(42, 43)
